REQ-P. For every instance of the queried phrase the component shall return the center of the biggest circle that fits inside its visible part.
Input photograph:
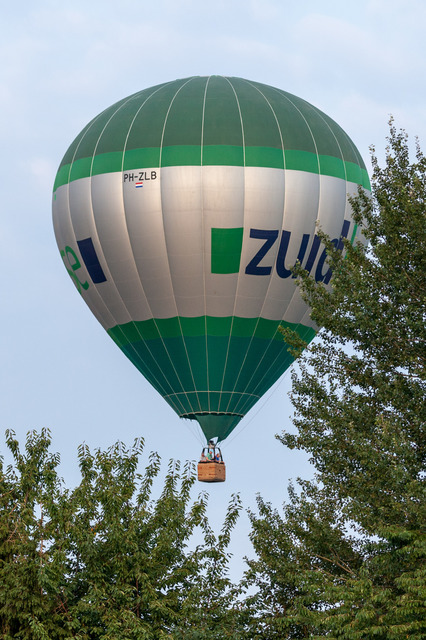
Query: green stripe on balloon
(219, 155)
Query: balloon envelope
(179, 212)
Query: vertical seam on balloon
(359, 158)
(174, 395)
(146, 342)
(282, 94)
(337, 142)
(203, 234)
(278, 356)
(160, 385)
(264, 401)
(143, 366)
(239, 271)
(296, 289)
(165, 239)
(266, 372)
(271, 276)
(91, 206)
(342, 157)
(122, 104)
(99, 297)
(97, 294)
(319, 173)
(169, 396)
(95, 227)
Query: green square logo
(226, 250)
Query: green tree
(346, 558)
(105, 560)
(26, 491)
(213, 608)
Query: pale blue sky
(62, 63)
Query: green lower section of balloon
(209, 365)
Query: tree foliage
(105, 560)
(343, 560)
(346, 558)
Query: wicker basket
(211, 471)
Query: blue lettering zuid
(270, 236)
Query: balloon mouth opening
(215, 424)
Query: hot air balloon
(179, 212)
